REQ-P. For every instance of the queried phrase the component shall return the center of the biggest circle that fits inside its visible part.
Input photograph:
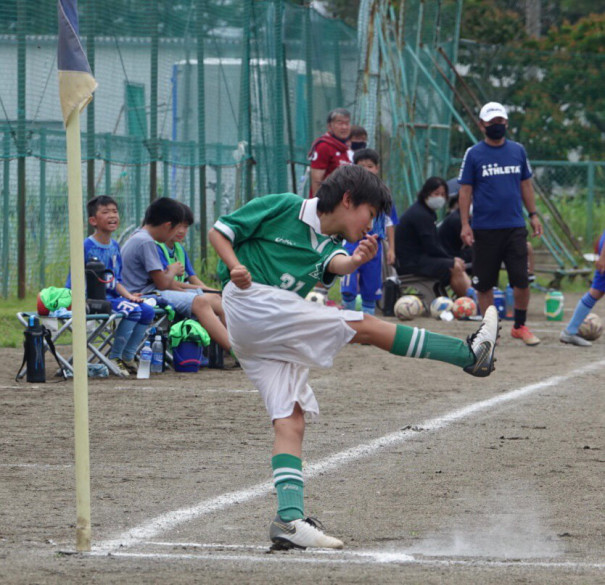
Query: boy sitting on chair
(104, 217)
(145, 273)
(173, 253)
(273, 251)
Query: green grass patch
(12, 330)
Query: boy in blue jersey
(367, 279)
(273, 251)
(495, 175)
(104, 217)
(588, 301)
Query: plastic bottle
(499, 302)
(144, 361)
(157, 355)
(509, 298)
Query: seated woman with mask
(417, 246)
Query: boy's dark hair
(99, 201)
(358, 131)
(162, 210)
(338, 112)
(432, 184)
(363, 186)
(188, 219)
(366, 154)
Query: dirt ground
(427, 474)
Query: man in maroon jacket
(330, 150)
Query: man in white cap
(495, 176)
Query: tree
(552, 85)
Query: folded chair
(98, 337)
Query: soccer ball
(316, 297)
(591, 328)
(464, 307)
(407, 307)
(440, 305)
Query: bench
(426, 287)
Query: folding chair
(98, 340)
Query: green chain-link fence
(227, 95)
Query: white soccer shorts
(277, 336)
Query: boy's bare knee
(199, 302)
(293, 424)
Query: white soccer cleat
(301, 533)
(483, 344)
(573, 339)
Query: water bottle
(215, 356)
(390, 292)
(95, 279)
(144, 361)
(34, 350)
(509, 298)
(157, 355)
(499, 302)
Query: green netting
(405, 90)
(226, 93)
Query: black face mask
(358, 145)
(495, 131)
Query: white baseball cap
(492, 110)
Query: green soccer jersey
(278, 238)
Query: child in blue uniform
(104, 217)
(588, 301)
(367, 279)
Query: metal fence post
(42, 225)
(590, 202)
(108, 164)
(21, 147)
(5, 211)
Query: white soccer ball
(440, 305)
(591, 328)
(407, 307)
(316, 297)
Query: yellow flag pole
(80, 352)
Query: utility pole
(533, 18)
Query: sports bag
(186, 339)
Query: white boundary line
(324, 557)
(170, 520)
(37, 465)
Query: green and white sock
(420, 343)
(288, 481)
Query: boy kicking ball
(273, 251)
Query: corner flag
(76, 85)
(76, 82)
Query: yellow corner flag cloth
(76, 83)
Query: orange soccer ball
(464, 307)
